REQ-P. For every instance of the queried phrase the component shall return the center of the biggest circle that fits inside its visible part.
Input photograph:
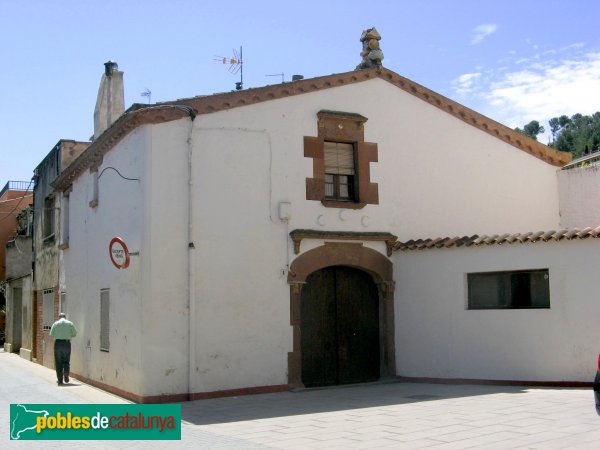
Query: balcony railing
(17, 186)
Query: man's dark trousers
(62, 358)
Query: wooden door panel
(358, 326)
(318, 330)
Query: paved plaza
(395, 415)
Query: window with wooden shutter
(63, 302)
(341, 162)
(48, 217)
(104, 319)
(339, 171)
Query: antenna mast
(277, 75)
(241, 85)
(236, 64)
(147, 93)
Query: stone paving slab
(384, 415)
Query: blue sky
(513, 61)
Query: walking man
(62, 331)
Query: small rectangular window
(104, 319)
(523, 289)
(47, 309)
(48, 217)
(339, 171)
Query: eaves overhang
(129, 121)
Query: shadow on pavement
(327, 400)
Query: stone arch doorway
(359, 268)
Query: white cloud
(543, 91)
(535, 90)
(465, 83)
(482, 31)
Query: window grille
(47, 309)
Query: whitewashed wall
(437, 336)
(436, 174)
(579, 195)
(164, 290)
(88, 269)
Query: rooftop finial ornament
(371, 53)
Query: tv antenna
(147, 93)
(236, 64)
(277, 75)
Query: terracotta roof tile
(496, 239)
(547, 235)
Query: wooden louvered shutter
(104, 319)
(339, 158)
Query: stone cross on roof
(371, 53)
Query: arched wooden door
(339, 323)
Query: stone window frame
(336, 126)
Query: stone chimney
(111, 98)
(371, 53)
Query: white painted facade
(439, 337)
(205, 305)
(579, 196)
(87, 268)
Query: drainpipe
(190, 275)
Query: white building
(265, 243)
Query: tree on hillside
(532, 129)
(556, 124)
(577, 134)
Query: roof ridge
(228, 100)
(139, 114)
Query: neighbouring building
(15, 196)
(47, 239)
(287, 236)
(51, 213)
(19, 292)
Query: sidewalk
(385, 415)
(29, 374)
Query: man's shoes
(66, 378)
(59, 383)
